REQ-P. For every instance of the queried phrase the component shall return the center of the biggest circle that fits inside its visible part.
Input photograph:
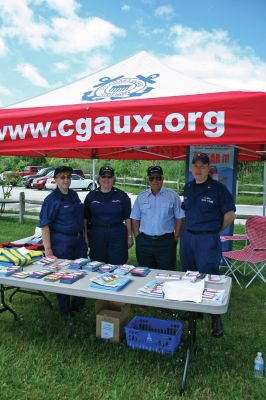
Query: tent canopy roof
(136, 109)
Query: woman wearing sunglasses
(107, 218)
(62, 223)
(157, 220)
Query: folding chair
(253, 255)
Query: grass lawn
(45, 356)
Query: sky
(45, 44)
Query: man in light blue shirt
(157, 220)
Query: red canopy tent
(137, 109)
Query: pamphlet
(184, 290)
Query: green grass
(44, 356)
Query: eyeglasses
(62, 177)
(106, 176)
(155, 178)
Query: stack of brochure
(191, 276)
(109, 281)
(168, 276)
(215, 278)
(78, 263)
(40, 274)
(124, 269)
(213, 295)
(107, 268)
(140, 271)
(152, 288)
(93, 265)
(21, 275)
(72, 277)
(55, 276)
(7, 271)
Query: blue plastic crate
(153, 334)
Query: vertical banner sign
(223, 161)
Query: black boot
(217, 326)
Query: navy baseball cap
(201, 157)
(63, 168)
(154, 169)
(106, 170)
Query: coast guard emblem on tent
(120, 88)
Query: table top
(125, 295)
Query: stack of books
(109, 281)
(153, 288)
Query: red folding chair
(252, 256)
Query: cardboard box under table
(111, 317)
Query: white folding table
(126, 295)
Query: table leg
(191, 347)
(33, 292)
(5, 306)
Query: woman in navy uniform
(62, 223)
(107, 218)
(209, 208)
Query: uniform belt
(203, 232)
(107, 225)
(155, 237)
(77, 234)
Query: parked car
(77, 182)
(29, 178)
(78, 172)
(39, 183)
(29, 170)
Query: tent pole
(93, 172)
(264, 186)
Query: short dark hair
(201, 157)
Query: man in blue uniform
(62, 223)
(107, 211)
(209, 208)
(157, 220)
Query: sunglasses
(106, 176)
(62, 177)
(155, 178)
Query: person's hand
(130, 241)
(49, 253)
(176, 237)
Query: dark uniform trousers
(157, 252)
(109, 244)
(200, 252)
(69, 247)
